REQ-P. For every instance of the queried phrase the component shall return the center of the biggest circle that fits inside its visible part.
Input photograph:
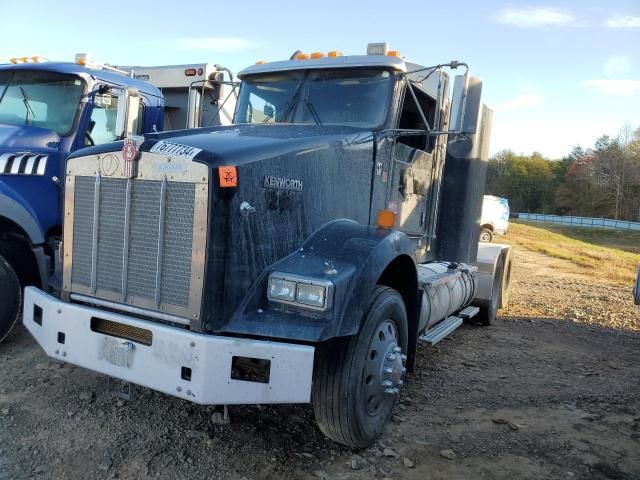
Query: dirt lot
(551, 391)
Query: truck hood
(242, 143)
(238, 144)
(29, 139)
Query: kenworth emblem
(130, 155)
(280, 183)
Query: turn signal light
(334, 53)
(316, 55)
(393, 53)
(386, 219)
(301, 56)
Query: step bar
(446, 327)
(441, 330)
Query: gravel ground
(550, 391)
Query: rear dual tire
(11, 298)
(357, 379)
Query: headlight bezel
(305, 281)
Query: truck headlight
(298, 290)
(282, 289)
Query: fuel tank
(446, 288)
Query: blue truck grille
(139, 249)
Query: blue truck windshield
(39, 98)
(353, 97)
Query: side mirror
(127, 114)
(466, 104)
(636, 289)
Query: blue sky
(556, 73)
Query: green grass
(610, 254)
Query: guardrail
(580, 221)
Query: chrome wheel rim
(383, 370)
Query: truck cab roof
(76, 69)
(350, 61)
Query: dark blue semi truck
(47, 111)
(296, 256)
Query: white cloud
(211, 44)
(624, 21)
(531, 17)
(615, 87)
(617, 66)
(519, 103)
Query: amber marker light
(301, 56)
(334, 53)
(261, 62)
(315, 55)
(386, 219)
(393, 53)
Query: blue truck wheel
(11, 298)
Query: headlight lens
(281, 289)
(306, 292)
(313, 295)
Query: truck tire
(11, 298)
(487, 315)
(357, 379)
(486, 235)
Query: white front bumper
(160, 365)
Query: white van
(495, 217)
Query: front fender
(13, 208)
(358, 253)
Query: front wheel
(357, 379)
(486, 235)
(11, 298)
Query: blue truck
(47, 111)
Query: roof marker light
(301, 56)
(315, 55)
(393, 53)
(334, 53)
(261, 62)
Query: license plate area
(117, 351)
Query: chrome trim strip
(163, 212)
(28, 170)
(94, 245)
(130, 309)
(17, 161)
(42, 165)
(69, 207)
(4, 159)
(125, 241)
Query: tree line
(600, 182)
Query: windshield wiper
(309, 106)
(287, 106)
(27, 106)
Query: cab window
(102, 124)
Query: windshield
(354, 97)
(40, 99)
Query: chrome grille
(139, 248)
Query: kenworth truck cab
(47, 110)
(296, 256)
